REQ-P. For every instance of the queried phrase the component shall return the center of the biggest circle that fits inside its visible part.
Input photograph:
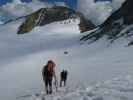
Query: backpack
(48, 72)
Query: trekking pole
(56, 85)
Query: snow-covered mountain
(46, 16)
(119, 24)
(98, 71)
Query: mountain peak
(46, 16)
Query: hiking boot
(50, 92)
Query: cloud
(17, 1)
(18, 8)
(60, 4)
(117, 4)
(99, 11)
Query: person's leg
(50, 86)
(64, 82)
(46, 86)
(61, 83)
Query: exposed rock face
(48, 15)
(85, 25)
(114, 25)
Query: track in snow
(115, 89)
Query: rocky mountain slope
(119, 24)
(46, 16)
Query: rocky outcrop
(85, 25)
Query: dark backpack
(48, 74)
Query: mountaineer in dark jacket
(48, 74)
(63, 77)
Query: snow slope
(94, 69)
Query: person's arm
(55, 78)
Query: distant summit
(46, 16)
